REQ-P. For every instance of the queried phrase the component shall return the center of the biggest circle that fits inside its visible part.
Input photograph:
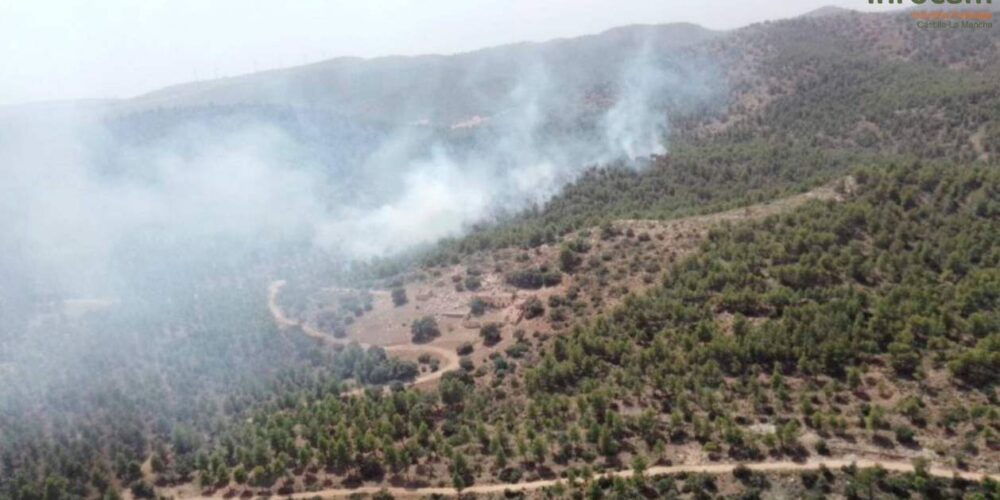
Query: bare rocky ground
(625, 259)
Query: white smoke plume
(81, 206)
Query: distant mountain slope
(829, 10)
(808, 98)
(863, 81)
(441, 89)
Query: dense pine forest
(869, 324)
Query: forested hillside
(809, 97)
(894, 292)
(862, 326)
(436, 89)
(172, 374)
(865, 325)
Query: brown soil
(718, 468)
(614, 269)
(447, 358)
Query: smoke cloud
(91, 200)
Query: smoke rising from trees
(91, 197)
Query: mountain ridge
(406, 87)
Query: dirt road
(448, 356)
(719, 468)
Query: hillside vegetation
(864, 324)
(809, 97)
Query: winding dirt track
(449, 356)
(451, 363)
(451, 359)
(653, 471)
(720, 468)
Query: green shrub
(424, 330)
(533, 308)
(399, 296)
(477, 306)
(490, 333)
(533, 279)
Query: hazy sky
(62, 49)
